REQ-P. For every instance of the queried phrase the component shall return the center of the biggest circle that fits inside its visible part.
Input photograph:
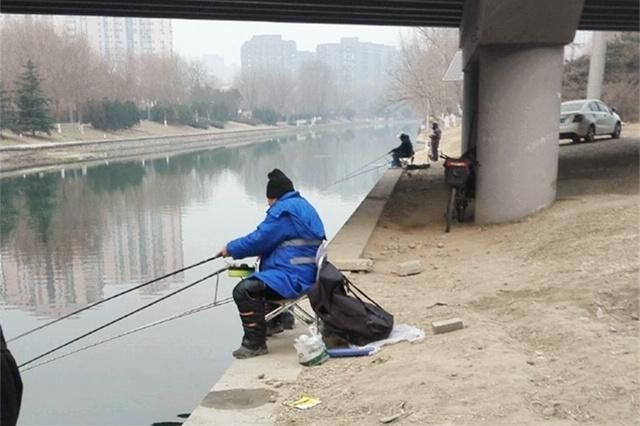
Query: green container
(242, 271)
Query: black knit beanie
(279, 184)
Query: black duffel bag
(338, 304)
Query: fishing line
(357, 174)
(201, 308)
(99, 302)
(148, 305)
(350, 174)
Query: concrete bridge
(512, 61)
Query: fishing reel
(241, 270)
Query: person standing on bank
(435, 137)
(404, 150)
(286, 243)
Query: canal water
(71, 238)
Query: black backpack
(343, 313)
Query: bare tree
(424, 59)
(267, 89)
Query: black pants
(11, 391)
(253, 298)
(434, 149)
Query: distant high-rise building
(112, 38)
(352, 60)
(304, 56)
(216, 67)
(268, 52)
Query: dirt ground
(550, 306)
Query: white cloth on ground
(399, 333)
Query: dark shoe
(243, 352)
(274, 328)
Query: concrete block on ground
(355, 265)
(446, 326)
(412, 267)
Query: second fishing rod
(122, 293)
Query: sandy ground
(550, 306)
(71, 132)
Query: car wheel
(591, 133)
(616, 131)
(575, 139)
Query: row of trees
(112, 114)
(314, 90)
(73, 75)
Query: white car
(588, 118)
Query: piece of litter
(261, 376)
(399, 333)
(391, 418)
(302, 402)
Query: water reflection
(65, 236)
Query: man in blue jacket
(286, 243)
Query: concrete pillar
(596, 65)
(469, 108)
(517, 143)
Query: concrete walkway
(249, 390)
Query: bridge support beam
(596, 64)
(517, 146)
(515, 51)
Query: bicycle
(460, 176)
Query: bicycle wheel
(461, 207)
(450, 208)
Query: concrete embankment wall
(31, 158)
(21, 159)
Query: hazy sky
(196, 38)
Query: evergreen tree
(6, 109)
(32, 106)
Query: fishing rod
(99, 302)
(201, 308)
(143, 307)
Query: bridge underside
(610, 15)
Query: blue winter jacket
(282, 263)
